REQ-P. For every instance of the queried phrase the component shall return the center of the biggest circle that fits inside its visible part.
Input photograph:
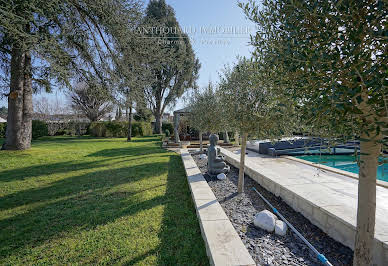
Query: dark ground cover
(72, 200)
(268, 248)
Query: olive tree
(248, 103)
(205, 112)
(333, 61)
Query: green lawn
(97, 201)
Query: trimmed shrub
(3, 127)
(67, 128)
(141, 129)
(119, 129)
(39, 129)
(167, 125)
(116, 129)
(97, 129)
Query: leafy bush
(143, 115)
(39, 129)
(141, 129)
(167, 125)
(3, 127)
(116, 129)
(67, 128)
(97, 129)
(119, 129)
(167, 132)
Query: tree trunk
(158, 123)
(242, 163)
(236, 138)
(226, 137)
(129, 137)
(19, 120)
(200, 141)
(366, 210)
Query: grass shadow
(77, 184)
(48, 169)
(125, 152)
(105, 216)
(181, 240)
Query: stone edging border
(223, 244)
(331, 169)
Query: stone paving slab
(223, 245)
(328, 199)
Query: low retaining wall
(223, 245)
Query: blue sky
(214, 13)
(213, 50)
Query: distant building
(166, 117)
(2, 120)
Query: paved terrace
(328, 200)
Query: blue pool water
(345, 163)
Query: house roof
(2, 120)
(185, 110)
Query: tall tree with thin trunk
(331, 57)
(173, 62)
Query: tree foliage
(93, 102)
(3, 111)
(172, 63)
(330, 57)
(49, 43)
(205, 110)
(249, 103)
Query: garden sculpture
(215, 163)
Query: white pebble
(265, 220)
(221, 176)
(280, 228)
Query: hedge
(39, 129)
(119, 129)
(72, 128)
(3, 126)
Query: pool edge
(332, 169)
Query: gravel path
(268, 248)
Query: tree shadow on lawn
(48, 169)
(181, 239)
(64, 167)
(45, 222)
(127, 151)
(155, 139)
(77, 184)
(180, 235)
(91, 202)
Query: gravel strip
(268, 248)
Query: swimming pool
(345, 163)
